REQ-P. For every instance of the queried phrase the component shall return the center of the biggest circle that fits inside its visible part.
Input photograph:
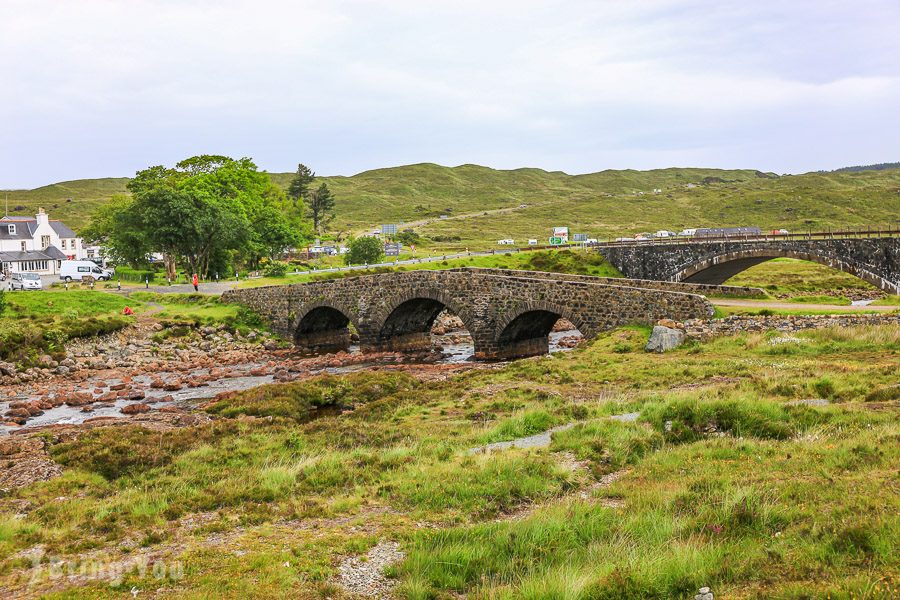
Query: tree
(116, 226)
(368, 250)
(320, 207)
(205, 212)
(299, 187)
(408, 237)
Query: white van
(25, 281)
(76, 270)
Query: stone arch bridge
(508, 313)
(876, 260)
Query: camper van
(76, 270)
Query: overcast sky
(94, 88)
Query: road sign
(555, 240)
(561, 232)
(579, 237)
(389, 229)
(392, 249)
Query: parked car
(77, 270)
(25, 281)
(532, 242)
(506, 242)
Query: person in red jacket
(196, 282)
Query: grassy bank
(800, 278)
(723, 480)
(36, 323)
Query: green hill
(482, 205)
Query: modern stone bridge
(508, 313)
(876, 260)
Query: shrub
(688, 420)
(117, 451)
(135, 275)
(2, 302)
(298, 400)
(368, 250)
(275, 269)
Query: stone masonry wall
(705, 329)
(486, 303)
(874, 259)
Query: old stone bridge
(508, 313)
(876, 259)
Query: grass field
(723, 481)
(559, 261)
(788, 276)
(604, 204)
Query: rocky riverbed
(152, 368)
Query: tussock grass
(744, 492)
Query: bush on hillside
(275, 269)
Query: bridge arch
(323, 326)
(719, 268)
(526, 330)
(405, 324)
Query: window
(45, 241)
(12, 229)
(63, 243)
(23, 247)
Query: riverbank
(752, 464)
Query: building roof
(33, 255)
(55, 253)
(62, 230)
(24, 229)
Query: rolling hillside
(485, 204)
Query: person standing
(196, 282)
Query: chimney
(42, 217)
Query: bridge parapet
(729, 291)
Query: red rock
(79, 399)
(118, 386)
(134, 409)
(172, 386)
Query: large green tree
(320, 207)
(365, 250)
(204, 212)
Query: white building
(37, 244)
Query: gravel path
(366, 576)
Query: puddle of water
(538, 440)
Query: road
(775, 304)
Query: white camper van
(76, 270)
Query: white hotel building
(37, 244)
